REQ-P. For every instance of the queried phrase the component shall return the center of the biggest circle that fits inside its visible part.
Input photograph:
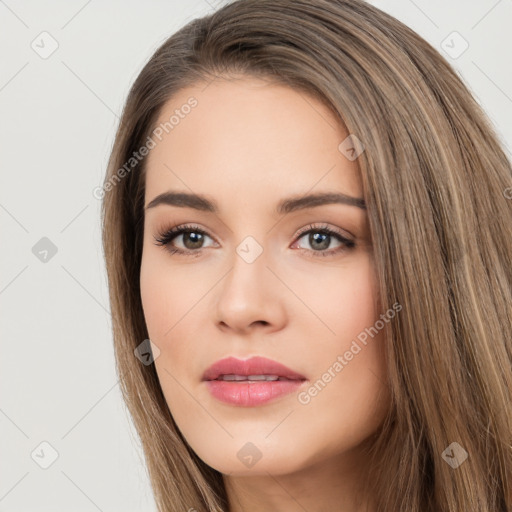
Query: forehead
(248, 140)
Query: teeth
(250, 377)
(263, 377)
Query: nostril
(263, 322)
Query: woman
(307, 232)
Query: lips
(255, 366)
(251, 383)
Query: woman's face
(256, 278)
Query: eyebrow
(292, 204)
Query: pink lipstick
(250, 382)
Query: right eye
(191, 235)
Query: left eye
(320, 240)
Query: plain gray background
(58, 117)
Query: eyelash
(169, 235)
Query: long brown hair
(436, 183)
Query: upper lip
(252, 366)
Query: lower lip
(249, 394)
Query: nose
(250, 297)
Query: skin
(247, 145)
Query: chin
(250, 458)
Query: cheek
(167, 294)
(338, 302)
(174, 316)
(359, 309)
(350, 360)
